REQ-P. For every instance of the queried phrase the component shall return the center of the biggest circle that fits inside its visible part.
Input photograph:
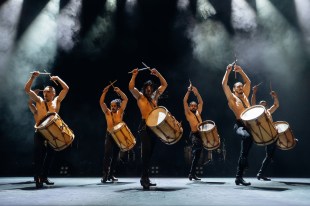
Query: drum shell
(55, 131)
(168, 129)
(286, 139)
(123, 137)
(260, 126)
(210, 137)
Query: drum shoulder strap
(197, 118)
(150, 100)
(46, 106)
(244, 105)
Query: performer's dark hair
(118, 102)
(146, 84)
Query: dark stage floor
(169, 191)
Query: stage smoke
(69, 25)
(9, 16)
(211, 45)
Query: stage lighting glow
(243, 16)
(37, 47)
(182, 4)
(281, 41)
(9, 16)
(111, 5)
(101, 31)
(303, 14)
(69, 25)
(35, 50)
(211, 43)
(205, 9)
(129, 5)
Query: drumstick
(190, 83)
(140, 70)
(111, 84)
(271, 89)
(50, 77)
(233, 65)
(147, 67)
(41, 73)
(259, 84)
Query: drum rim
(208, 120)
(205, 122)
(44, 118)
(123, 124)
(247, 109)
(281, 122)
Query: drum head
(47, 120)
(206, 126)
(118, 126)
(282, 127)
(156, 116)
(252, 112)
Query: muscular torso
(36, 118)
(236, 105)
(53, 106)
(145, 106)
(113, 119)
(192, 120)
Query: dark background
(182, 44)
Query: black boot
(193, 176)
(47, 181)
(240, 180)
(260, 176)
(104, 178)
(112, 178)
(146, 183)
(39, 182)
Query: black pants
(197, 147)
(148, 142)
(270, 149)
(43, 156)
(246, 144)
(111, 151)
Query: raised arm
(134, 91)
(102, 98)
(31, 106)
(28, 85)
(246, 80)
(124, 98)
(253, 98)
(185, 99)
(199, 99)
(276, 104)
(163, 83)
(65, 88)
(225, 86)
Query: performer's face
(238, 88)
(148, 91)
(193, 107)
(48, 94)
(114, 107)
